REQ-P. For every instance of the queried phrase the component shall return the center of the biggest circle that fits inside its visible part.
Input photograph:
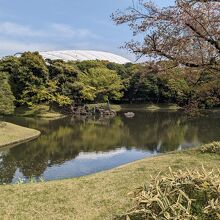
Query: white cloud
(13, 29)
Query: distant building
(81, 55)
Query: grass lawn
(14, 134)
(98, 196)
(41, 111)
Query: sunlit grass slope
(13, 134)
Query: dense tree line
(30, 80)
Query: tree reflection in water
(62, 140)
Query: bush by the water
(184, 194)
(213, 147)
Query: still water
(72, 147)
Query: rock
(129, 114)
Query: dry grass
(183, 194)
(213, 148)
(99, 196)
(13, 134)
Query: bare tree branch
(187, 33)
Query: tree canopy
(100, 84)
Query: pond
(71, 147)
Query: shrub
(188, 194)
(213, 147)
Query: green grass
(98, 196)
(113, 107)
(13, 134)
(41, 111)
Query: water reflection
(71, 147)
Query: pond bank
(39, 111)
(11, 134)
(97, 196)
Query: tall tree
(187, 33)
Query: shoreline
(11, 134)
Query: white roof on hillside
(80, 55)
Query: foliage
(184, 194)
(207, 89)
(88, 64)
(142, 87)
(100, 84)
(6, 96)
(213, 147)
(173, 86)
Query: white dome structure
(81, 55)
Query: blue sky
(62, 24)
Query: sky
(42, 25)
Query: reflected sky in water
(73, 147)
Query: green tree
(65, 74)
(100, 84)
(206, 89)
(6, 96)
